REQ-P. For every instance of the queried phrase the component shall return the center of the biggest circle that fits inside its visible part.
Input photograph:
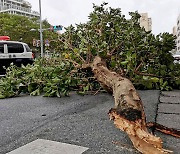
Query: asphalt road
(79, 120)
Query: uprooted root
(142, 140)
(164, 129)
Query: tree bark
(128, 114)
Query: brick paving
(169, 108)
(168, 114)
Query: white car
(14, 52)
(176, 58)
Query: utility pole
(2, 6)
(40, 30)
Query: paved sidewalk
(168, 114)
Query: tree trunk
(128, 114)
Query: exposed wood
(128, 114)
(163, 129)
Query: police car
(176, 58)
(14, 52)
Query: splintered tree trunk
(128, 114)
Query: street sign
(34, 42)
(57, 28)
(46, 43)
(38, 42)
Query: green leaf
(154, 79)
(2, 96)
(124, 62)
(145, 78)
(35, 92)
(113, 64)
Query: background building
(18, 7)
(178, 35)
(145, 21)
(174, 30)
(175, 34)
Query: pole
(40, 30)
(2, 6)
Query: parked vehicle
(176, 58)
(14, 52)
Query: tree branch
(163, 129)
(146, 74)
(71, 47)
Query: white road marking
(41, 146)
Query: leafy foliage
(127, 48)
(51, 77)
(19, 29)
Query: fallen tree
(117, 49)
(120, 55)
(128, 114)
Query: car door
(15, 52)
(1, 50)
(3, 57)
